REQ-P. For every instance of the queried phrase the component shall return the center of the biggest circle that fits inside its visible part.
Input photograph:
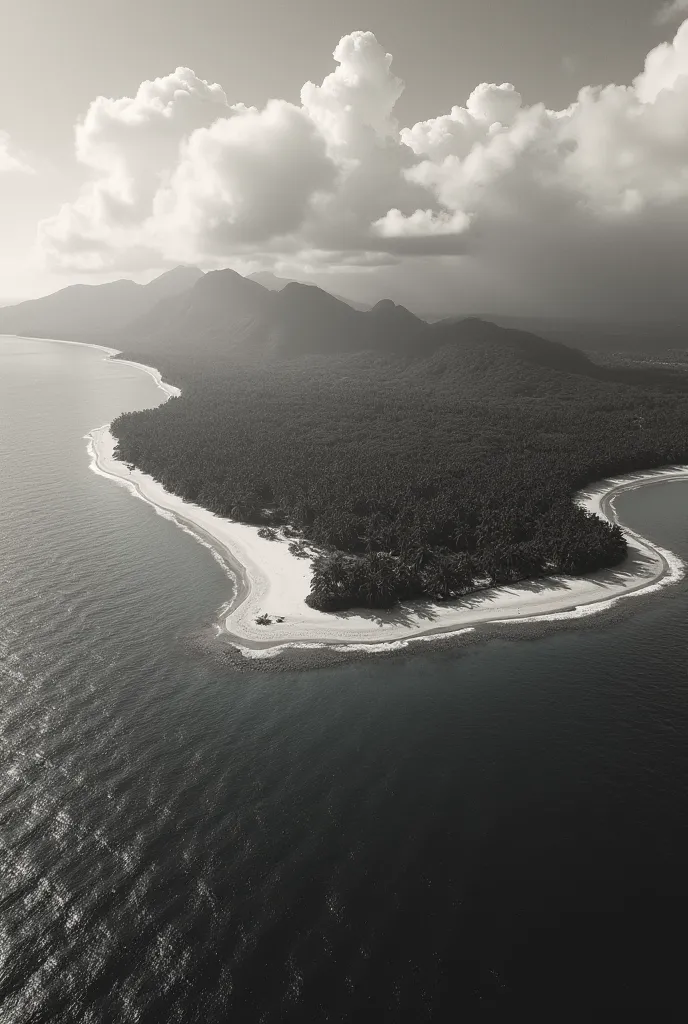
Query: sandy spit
(268, 579)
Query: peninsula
(269, 610)
(371, 477)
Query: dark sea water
(411, 839)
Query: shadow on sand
(411, 614)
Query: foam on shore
(271, 580)
(268, 579)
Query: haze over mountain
(91, 312)
(648, 337)
(276, 284)
(186, 317)
(423, 457)
(269, 280)
(82, 309)
(226, 318)
(97, 312)
(226, 315)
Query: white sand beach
(268, 579)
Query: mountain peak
(391, 311)
(295, 291)
(269, 280)
(396, 324)
(227, 294)
(172, 282)
(181, 270)
(229, 281)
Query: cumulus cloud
(244, 181)
(182, 174)
(489, 109)
(422, 231)
(10, 160)
(131, 146)
(359, 96)
(588, 204)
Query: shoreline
(169, 389)
(267, 578)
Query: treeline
(415, 476)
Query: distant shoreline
(268, 579)
(169, 389)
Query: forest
(427, 471)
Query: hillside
(276, 284)
(89, 312)
(651, 339)
(199, 326)
(422, 459)
(269, 280)
(225, 317)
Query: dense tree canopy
(425, 472)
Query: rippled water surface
(391, 840)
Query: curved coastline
(256, 564)
(168, 389)
(267, 578)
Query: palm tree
(439, 577)
(381, 579)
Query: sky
(508, 156)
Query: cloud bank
(585, 207)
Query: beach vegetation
(431, 469)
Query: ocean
(417, 838)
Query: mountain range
(276, 284)
(83, 309)
(225, 316)
(189, 320)
(443, 452)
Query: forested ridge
(425, 467)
